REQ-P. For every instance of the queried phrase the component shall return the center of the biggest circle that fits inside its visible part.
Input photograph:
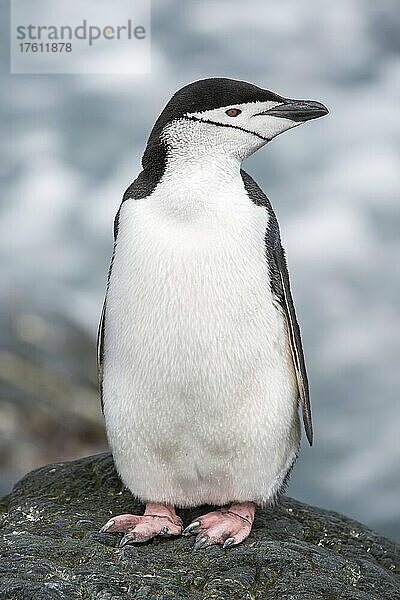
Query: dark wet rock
(51, 549)
(49, 405)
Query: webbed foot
(158, 519)
(226, 526)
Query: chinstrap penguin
(201, 365)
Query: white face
(237, 130)
(249, 118)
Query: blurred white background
(70, 146)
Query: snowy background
(70, 146)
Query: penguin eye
(233, 112)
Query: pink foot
(226, 526)
(158, 519)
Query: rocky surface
(51, 549)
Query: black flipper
(100, 353)
(280, 285)
(295, 344)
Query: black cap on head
(214, 92)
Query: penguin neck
(198, 184)
(197, 159)
(203, 167)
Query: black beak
(297, 110)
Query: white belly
(200, 398)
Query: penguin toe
(120, 524)
(202, 540)
(202, 523)
(128, 538)
(192, 528)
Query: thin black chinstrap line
(227, 125)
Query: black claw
(200, 543)
(107, 526)
(189, 529)
(164, 530)
(127, 539)
(228, 542)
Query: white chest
(194, 345)
(190, 285)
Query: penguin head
(225, 115)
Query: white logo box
(80, 36)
